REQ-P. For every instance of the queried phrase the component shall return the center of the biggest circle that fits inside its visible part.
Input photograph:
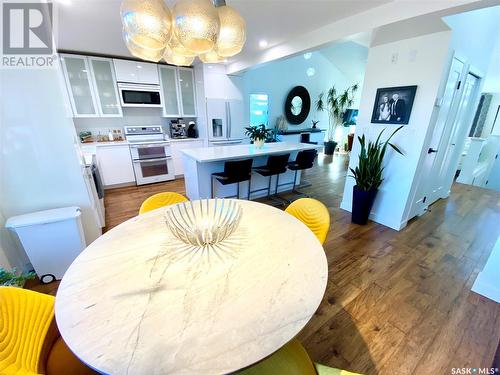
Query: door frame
(419, 203)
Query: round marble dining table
(140, 301)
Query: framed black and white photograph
(393, 105)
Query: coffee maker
(178, 129)
(192, 132)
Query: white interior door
(454, 144)
(428, 190)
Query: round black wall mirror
(297, 105)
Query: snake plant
(368, 173)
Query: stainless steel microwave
(139, 95)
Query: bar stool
(305, 160)
(234, 173)
(276, 165)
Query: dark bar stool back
(276, 165)
(234, 173)
(305, 160)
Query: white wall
(39, 165)
(474, 35)
(492, 82)
(420, 61)
(10, 254)
(277, 79)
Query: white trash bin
(52, 239)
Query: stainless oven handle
(149, 145)
(156, 159)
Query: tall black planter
(330, 147)
(362, 203)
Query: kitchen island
(200, 163)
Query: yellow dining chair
(30, 343)
(26, 326)
(312, 213)
(292, 359)
(161, 200)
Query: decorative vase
(362, 203)
(258, 143)
(330, 147)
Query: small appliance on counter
(178, 129)
(192, 132)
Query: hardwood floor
(396, 302)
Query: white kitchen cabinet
(136, 72)
(187, 91)
(178, 91)
(115, 164)
(104, 80)
(169, 79)
(77, 73)
(177, 146)
(91, 86)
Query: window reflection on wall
(259, 109)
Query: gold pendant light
(174, 59)
(148, 23)
(212, 57)
(179, 49)
(232, 35)
(196, 24)
(206, 28)
(148, 54)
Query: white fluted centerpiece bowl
(204, 222)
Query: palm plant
(335, 104)
(368, 173)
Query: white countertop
(116, 143)
(209, 154)
(185, 140)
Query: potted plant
(11, 278)
(335, 104)
(258, 134)
(368, 175)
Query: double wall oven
(151, 154)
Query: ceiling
(348, 57)
(93, 26)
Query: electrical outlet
(394, 58)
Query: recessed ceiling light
(263, 43)
(308, 55)
(310, 72)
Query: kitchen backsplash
(131, 116)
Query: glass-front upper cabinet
(77, 74)
(105, 84)
(186, 83)
(170, 91)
